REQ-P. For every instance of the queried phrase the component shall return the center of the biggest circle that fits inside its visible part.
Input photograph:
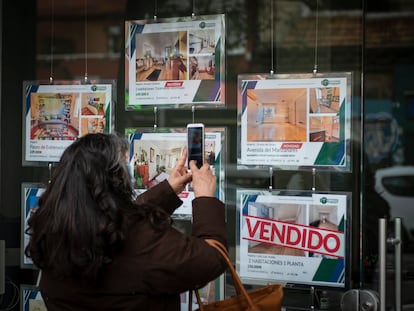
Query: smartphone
(195, 143)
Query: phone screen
(195, 144)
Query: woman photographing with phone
(100, 249)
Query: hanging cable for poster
(52, 36)
(272, 32)
(315, 67)
(86, 40)
(155, 118)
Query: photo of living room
(324, 128)
(53, 116)
(276, 114)
(152, 161)
(161, 56)
(292, 213)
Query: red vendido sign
(312, 239)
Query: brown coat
(154, 268)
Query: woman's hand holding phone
(180, 176)
(204, 181)
(195, 143)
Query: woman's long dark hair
(81, 221)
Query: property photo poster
(154, 154)
(293, 239)
(31, 193)
(31, 299)
(54, 115)
(175, 61)
(295, 120)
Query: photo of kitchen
(324, 129)
(324, 100)
(276, 115)
(202, 41)
(161, 56)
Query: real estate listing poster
(31, 298)
(154, 154)
(54, 115)
(30, 193)
(175, 61)
(295, 120)
(295, 239)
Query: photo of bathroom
(53, 117)
(276, 115)
(289, 212)
(161, 56)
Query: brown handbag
(267, 298)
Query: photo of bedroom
(324, 129)
(291, 213)
(53, 117)
(161, 56)
(202, 67)
(276, 115)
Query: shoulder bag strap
(238, 285)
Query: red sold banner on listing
(293, 239)
(306, 238)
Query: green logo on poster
(94, 88)
(325, 82)
(324, 200)
(202, 25)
